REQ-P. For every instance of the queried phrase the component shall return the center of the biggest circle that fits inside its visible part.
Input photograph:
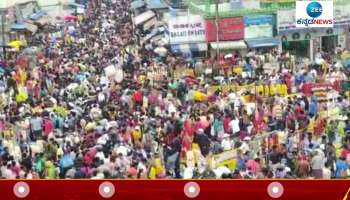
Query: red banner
(175, 189)
(229, 29)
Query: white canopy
(226, 45)
(139, 19)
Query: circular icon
(21, 189)
(106, 189)
(314, 9)
(192, 189)
(275, 190)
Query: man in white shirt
(326, 172)
(234, 124)
(317, 163)
(7, 173)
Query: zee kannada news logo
(314, 10)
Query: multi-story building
(269, 23)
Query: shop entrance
(329, 42)
(299, 48)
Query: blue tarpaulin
(137, 4)
(19, 26)
(262, 42)
(156, 4)
(76, 5)
(38, 15)
(346, 63)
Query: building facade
(277, 17)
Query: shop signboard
(236, 4)
(258, 26)
(285, 21)
(250, 4)
(186, 29)
(229, 29)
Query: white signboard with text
(187, 29)
(285, 20)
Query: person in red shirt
(227, 121)
(137, 97)
(47, 126)
(188, 128)
(186, 144)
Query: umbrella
(190, 80)
(237, 70)
(161, 51)
(22, 95)
(82, 67)
(342, 118)
(30, 51)
(72, 86)
(199, 96)
(219, 78)
(16, 44)
(228, 56)
(70, 17)
(61, 110)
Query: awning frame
(228, 45)
(18, 26)
(31, 27)
(43, 21)
(263, 42)
(195, 47)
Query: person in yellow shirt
(279, 89)
(311, 126)
(284, 90)
(152, 172)
(260, 89)
(136, 134)
(272, 90)
(160, 169)
(267, 90)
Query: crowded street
(88, 97)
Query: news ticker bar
(174, 189)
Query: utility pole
(217, 30)
(3, 34)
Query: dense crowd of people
(81, 103)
